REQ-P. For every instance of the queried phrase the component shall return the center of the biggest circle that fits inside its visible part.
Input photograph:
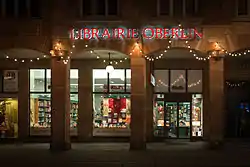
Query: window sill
(241, 18)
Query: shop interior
(178, 119)
(111, 102)
(173, 117)
(8, 118)
(40, 101)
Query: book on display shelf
(42, 114)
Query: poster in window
(10, 81)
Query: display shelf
(197, 116)
(73, 114)
(113, 112)
(43, 112)
(184, 114)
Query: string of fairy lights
(113, 62)
(180, 78)
(191, 50)
(65, 56)
(235, 84)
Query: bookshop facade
(176, 93)
(110, 101)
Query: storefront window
(37, 80)
(195, 81)
(40, 113)
(112, 106)
(128, 80)
(100, 80)
(117, 81)
(197, 115)
(111, 115)
(178, 81)
(158, 115)
(40, 103)
(8, 118)
(48, 80)
(111, 111)
(162, 80)
(73, 80)
(73, 110)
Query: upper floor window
(242, 7)
(22, 8)
(35, 8)
(10, 8)
(112, 7)
(190, 7)
(164, 7)
(99, 7)
(86, 7)
(178, 8)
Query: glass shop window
(111, 110)
(162, 80)
(100, 80)
(8, 118)
(195, 81)
(117, 81)
(178, 81)
(37, 80)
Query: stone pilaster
(60, 105)
(23, 103)
(149, 102)
(206, 104)
(85, 113)
(138, 108)
(216, 96)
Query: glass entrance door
(171, 119)
(177, 119)
(184, 119)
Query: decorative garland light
(233, 85)
(194, 84)
(150, 58)
(59, 52)
(195, 54)
(111, 62)
(181, 77)
(24, 60)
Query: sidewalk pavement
(172, 154)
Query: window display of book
(44, 113)
(73, 114)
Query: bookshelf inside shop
(42, 113)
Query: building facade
(160, 88)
